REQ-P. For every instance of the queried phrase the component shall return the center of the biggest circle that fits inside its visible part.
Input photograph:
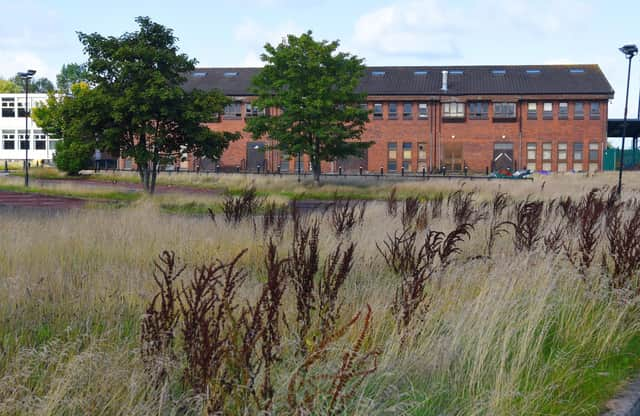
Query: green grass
(98, 196)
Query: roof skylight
(377, 73)
(576, 71)
(533, 71)
(199, 74)
(230, 74)
(499, 72)
(456, 72)
(420, 72)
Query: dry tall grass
(519, 333)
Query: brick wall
(475, 138)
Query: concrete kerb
(626, 403)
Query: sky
(42, 35)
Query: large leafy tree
(136, 106)
(314, 87)
(70, 74)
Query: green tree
(314, 86)
(71, 74)
(8, 86)
(136, 106)
(36, 85)
(62, 116)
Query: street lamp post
(629, 52)
(26, 76)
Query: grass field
(493, 330)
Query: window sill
(455, 119)
(392, 117)
(407, 117)
(594, 118)
(563, 118)
(547, 117)
(378, 118)
(479, 118)
(578, 117)
(505, 119)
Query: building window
(562, 151)
(594, 157)
(578, 111)
(251, 110)
(453, 110)
(407, 109)
(21, 110)
(532, 156)
(8, 140)
(594, 113)
(40, 140)
(393, 111)
(233, 111)
(594, 152)
(377, 111)
(563, 111)
(423, 111)
(8, 107)
(532, 111)
(546, 156)
(392, 156)
(479, 110)
(547, 111)
(577, 156)
(422, 151)
(406, 156)
(504, 110)
(24, 140)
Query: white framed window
(453, 110)
(504, 110)
(423, 111)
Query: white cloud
(416, 27)
(12, 62)
(433, 29)
(252, 36)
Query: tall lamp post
(629, 52)
(26, 76)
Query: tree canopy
(62, 116)
(314, 87)
(36, 85)
(70, 74)
(136, 106)
(8, 86)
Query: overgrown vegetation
(445, 305)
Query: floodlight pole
(630, 51)
(26, 76)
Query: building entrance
(502, 156)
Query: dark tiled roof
(470, 80)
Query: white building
(12, 128)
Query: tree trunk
(154, 175)
(315, 162)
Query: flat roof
(614, 127)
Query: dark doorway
(255, 157)
(502, 156)
(452, 153)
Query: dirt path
(16, 199)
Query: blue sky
(396, 32)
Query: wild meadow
(427, 298)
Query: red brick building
(543, 117)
